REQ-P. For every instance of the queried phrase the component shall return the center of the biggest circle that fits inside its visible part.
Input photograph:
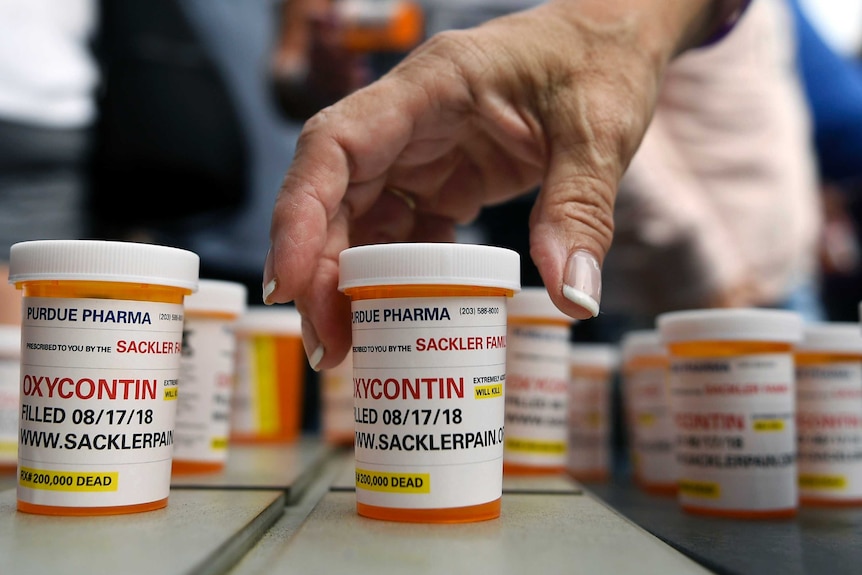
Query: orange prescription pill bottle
(10, 360)
(381, 25)
(336, 395)
(537, 377)
(270, 376)
(429, 373)
(207, 376)
(829, 414)
(101, 338)
(593, 367)
(733, 398)
(646, 409)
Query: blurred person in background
(190, 128)
(721, 205)
(192, 139)
(829, 43)
(48, 79)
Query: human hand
(559, 95)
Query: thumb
(571, 227)
(593, 130)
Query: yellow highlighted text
(535, 446)
(703, 489)
(393, 482)
(823, 482)
(767, 425)
(49, 480)
(488, 391)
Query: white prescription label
(735, 431)
(428, 390)
(206, 382)
(98, 401)
(649, 418)
(829, 422)
(589, 414)
(536, 395)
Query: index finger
(342, 160)
(336, 155)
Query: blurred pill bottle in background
(336, 397)
(380, 25)
(646, 409)
(537, 377)
(829, 414)
(207, 376)
(592, 372)
(732, 388)
(271, 367)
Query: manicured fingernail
(313, 348)
(268, 288)
(316, 357)
(269, 281)
(582, 282)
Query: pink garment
(723, 190)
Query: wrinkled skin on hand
(558, 96)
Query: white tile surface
(200, 531)
(541, 533)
